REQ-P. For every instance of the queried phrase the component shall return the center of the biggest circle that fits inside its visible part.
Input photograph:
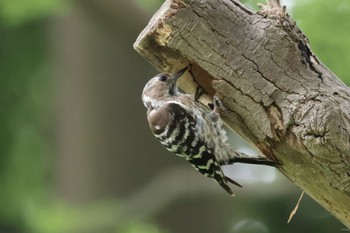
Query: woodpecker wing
(176, 127)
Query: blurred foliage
(104, 216)
(252, 4)
(61, 217)
(24, 99)
(15, 12)
(326, 25)
(149, 5)
(26, 136)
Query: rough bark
(279, 96)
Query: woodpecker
(188, 129)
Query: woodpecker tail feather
(259, 160)
(239, 157)
(225, 186)
(233, 182)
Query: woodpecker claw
(199, 93)
(218, 104)
(234, 182)
(217, 107)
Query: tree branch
(280, 97)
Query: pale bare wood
(279, 96)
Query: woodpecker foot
(199, 93)
(218, 104)
(199, 90)
(217, 108)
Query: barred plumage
(186, 128)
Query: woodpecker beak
(173, 81)
(179, 74)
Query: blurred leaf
(253, 4)
(103, 216)
(62, 217)
(149, 5)
(325, 23)
(15, 12)
(138, 227)
(24, 139)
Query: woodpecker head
(160, 87)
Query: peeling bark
(279, 96)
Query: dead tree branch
(280, 97)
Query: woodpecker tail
(239, 157)
(233, 182)
(224, 185)
(259, 160)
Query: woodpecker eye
(163, 78)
